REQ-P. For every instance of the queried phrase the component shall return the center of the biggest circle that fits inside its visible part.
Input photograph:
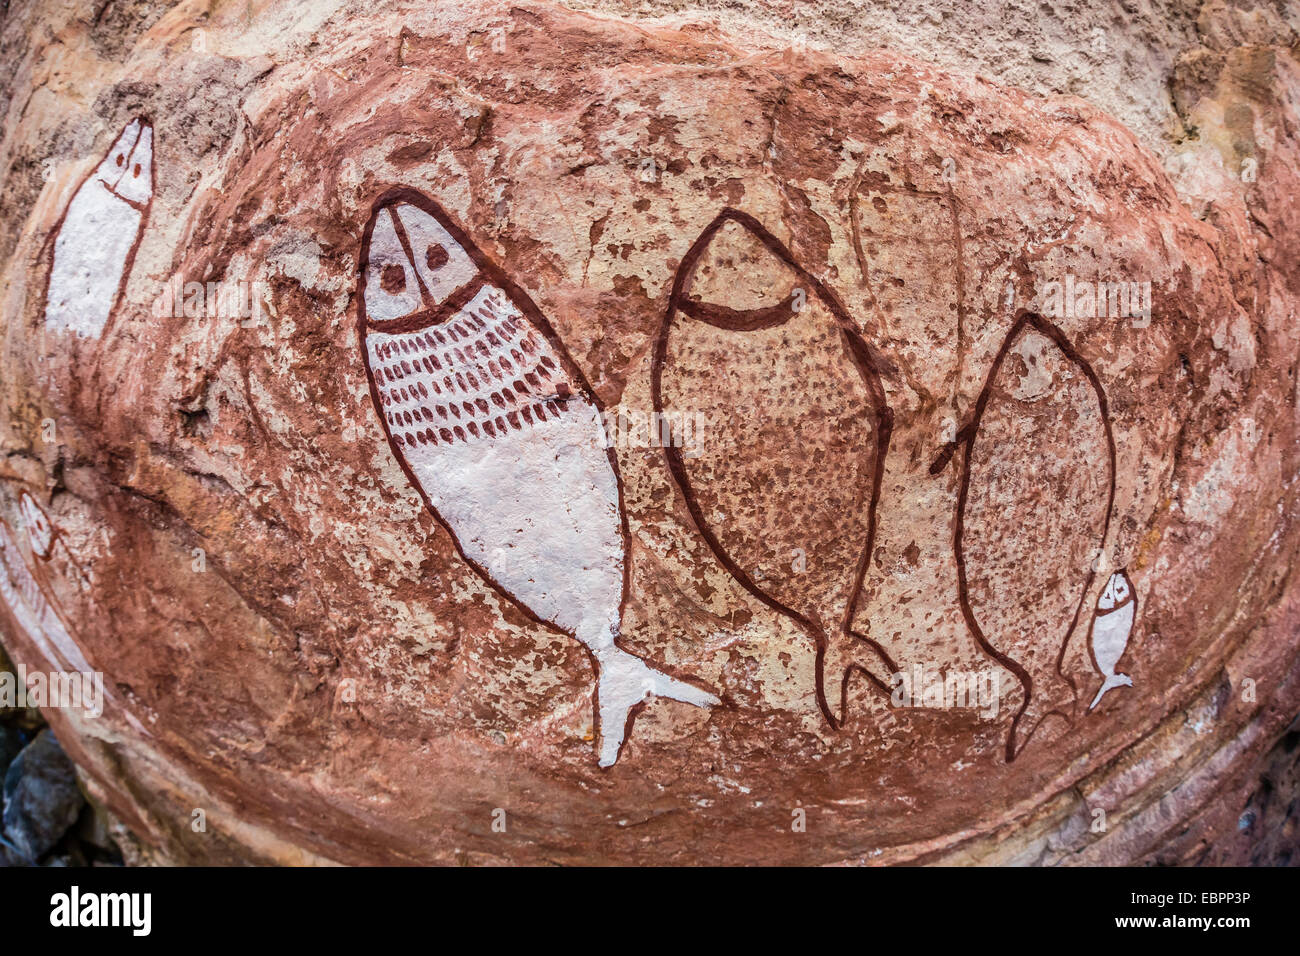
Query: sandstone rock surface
(968, 380)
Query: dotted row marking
(475, 366)
(501, 375)
(543, 380)
(519, 420)
(489, 308)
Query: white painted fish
(96, 240)
(1111, 626)
(495, 425)
(800, 422)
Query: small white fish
(98, 236)
(1111, 626)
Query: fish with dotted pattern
(498, 430)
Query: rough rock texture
(41, 799)
(1255, 823)
(912, 452)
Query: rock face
(41, 799)
(458, 376)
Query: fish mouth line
(1117, 607)
(135, 204)
(431, 315)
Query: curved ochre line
(39, 574)
(432, 314)
(40, 578)
(56, 538)
(489, 272)
(143, 208)
(868, 365)
(740, 320)
(966, 441)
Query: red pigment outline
(489, 272)
(966, 440)
(56, 536)
(41, 579)
(868, 365)
(143, 208)
(42, 588)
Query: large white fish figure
(1111, 626)
(495, 425)
(96, 240)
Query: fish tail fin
(1110, 683)
(626, 681)
(1053, 696)
(840, 656)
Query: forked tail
(1110, 683)
(841, 657)
(624, 682)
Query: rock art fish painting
(1111, 626)
(785, 492)
(1039, 435)
(43, 537)
(96, 240)
(496, 427)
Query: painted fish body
(496, 427)
(785, 491)
(1111, 626)
(96, 240)
(1040, 435)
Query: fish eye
(136, 171)
(435, 256)
(393, 279)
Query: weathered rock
(41, 799)
(934, 432)
(1258, 817)
(11, 744)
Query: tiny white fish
(1111, 626)
(98, 236)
